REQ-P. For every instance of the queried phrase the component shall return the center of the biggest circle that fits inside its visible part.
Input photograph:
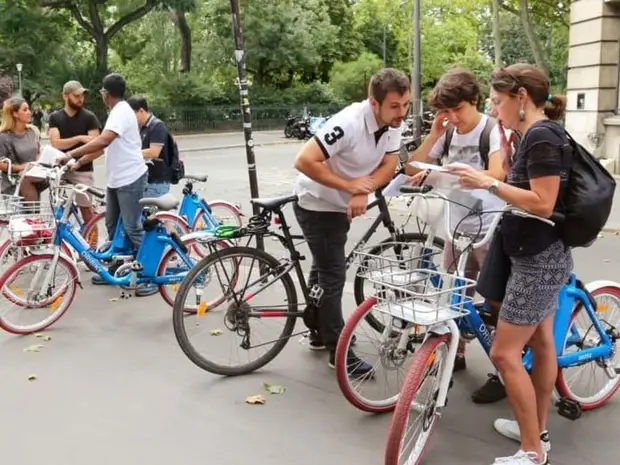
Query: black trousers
(326, 233)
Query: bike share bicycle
(162, 258)
(447, 312)
(233, 309)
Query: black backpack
(175, 164)
(587, 202)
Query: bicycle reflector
(276, 220)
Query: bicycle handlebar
(425, 191)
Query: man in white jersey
(472, 138)
(125, 167)
(351, 156)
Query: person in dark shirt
(539, 263)
(37, 117)
(72, 127)
(154, 136)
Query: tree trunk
(101, 51)
(497, 37)
(529, 28)
(186, 40)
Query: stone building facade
(593, 107)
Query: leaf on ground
(32, 377)
(601, 235)
(114, 299)
(607, 260)
(216, 332)
(43, 336)
(617, 233)
(33, 348)
(274, 388)
(255, 400)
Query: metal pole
(245, 109)
(416, 83)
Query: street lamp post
(19, 74)
(246, 113)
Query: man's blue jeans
(124, 202)
(156, 189)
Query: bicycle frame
(149, 256)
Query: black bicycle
(234, 303)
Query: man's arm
(93, 134)
(94, 149)
(65, 144)
(311, 162)
(385, 172)
(157, 138)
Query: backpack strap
(446, 143)
(485, 141)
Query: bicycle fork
(448, 327)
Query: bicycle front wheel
(238, 279)
(415, 416)
(36, 292)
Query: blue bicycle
(584, 336)
(162, 259)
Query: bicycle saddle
(165, 202)
(273, 203)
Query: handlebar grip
(416, 189)
(96, 192)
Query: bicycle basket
(8, 207)
(34, 224)
(395, 261)
(428, 297)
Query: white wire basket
(8, 206)
(421, 295)
(396, 262)
(32, 224)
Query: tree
(102, 20)
(497, 36)
(350, 80)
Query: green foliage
(298, 52)
(350, 80)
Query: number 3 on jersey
(331, 137)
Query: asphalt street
(113, 387)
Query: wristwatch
(494, 187)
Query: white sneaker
(510, 430)
(522, 458)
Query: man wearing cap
(72, 127)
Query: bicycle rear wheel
(233, 315)
(582, 334)
(417, 401)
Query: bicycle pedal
(569, 409)
(316, 293)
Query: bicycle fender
(234, 206)
(600, 283)
(439, 330)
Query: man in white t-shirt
(352, 155)
(460, 133)
(125, 167)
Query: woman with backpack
(528, 262)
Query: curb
(235, 146)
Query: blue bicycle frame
(191, 205)
(155, 242)
(570, 295)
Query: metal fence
(225, 118)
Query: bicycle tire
(56, 315)
(178, 314)
(410, 388)
(191, 244)
(358, 283)
(603, 396)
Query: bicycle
(8, 250)
(154, 262)
(446, 311)
(195, 213)
(240, 311)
